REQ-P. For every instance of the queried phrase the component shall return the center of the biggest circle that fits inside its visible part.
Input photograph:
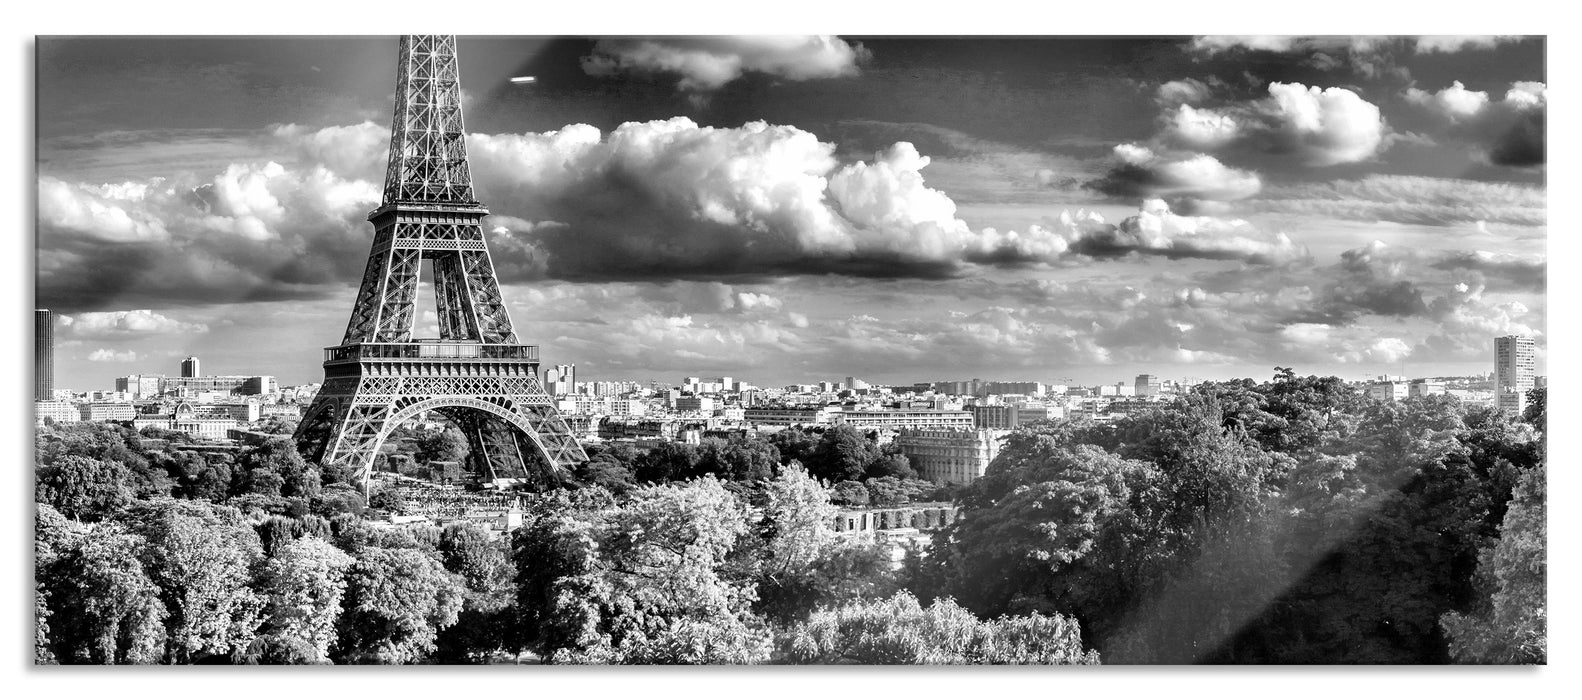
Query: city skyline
(862, 230)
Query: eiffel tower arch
(475, 373)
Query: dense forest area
(1289, 521)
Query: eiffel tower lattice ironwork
(476, 373)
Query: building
(950, 456)
(904, 419)
(189, 368)
(789, 416)
(186, 419)
(43, 355)
(1388, 391)
(915, 516)
(1423, 387)
(94, 412)
(56, 411)
(1001, 417)
(1148, 385)
(141, 386)
(560, 380)
(700, 404)
(1514, 366)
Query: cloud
(1455, 102)
(104, 355)
(708, 63)
(1461, 42)
(124, 324)
(1202, 129)
(1509, 131)
(1155, 230)
(1139, 172)
(1318, 126)
(252, 231)
(1211, 45)
(1323, 126)
(672, 199)
(1527, 272)
(1409, 199)
(1185, 91)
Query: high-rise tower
(43, 354)
(476, 373)
(1513, 372)
(189, 367)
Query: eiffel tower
(476, 373)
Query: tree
(201, 557)
(84, 487)
(397, 601)
(892, 466)
(1509, 624)
(641, 582)
(844, 454)
(276, 469)
(794, 445)
(670, 461)
(798, 561)
(107, 608)
(303, 584)
(851, 493)
(447, 445)
(899, 630)
(741, 458)
(1536, 414)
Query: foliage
(851, 493)
(107, 609)
(638, 582)
(1510, 620)
(397, 601)
(201, 558)
(303, 584)
(448, 445)
(84, 487)
(1293, 521)
(898, 630)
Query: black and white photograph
(525, 349)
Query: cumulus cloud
(674, 199)
(1155, 230)
(1318, 126)
(104, 355)
(124, 324)
(1324, 126)
(708, 63)
(252, 231)
(1509, 131)
(1139, 172)
(1455, 102)
(1410, 199)
(1185, 91)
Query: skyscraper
(1513, 372)
(189, 367)
(561, 380)
(44, 355)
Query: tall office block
(1513, 372)
(43, 355)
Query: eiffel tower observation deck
(476, 373)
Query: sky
(795, 209)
